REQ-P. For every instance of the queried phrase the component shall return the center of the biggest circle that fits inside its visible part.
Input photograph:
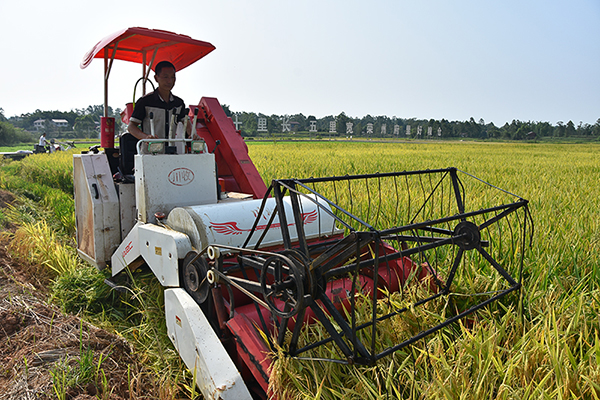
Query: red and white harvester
(246, 268)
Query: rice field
(544, 343)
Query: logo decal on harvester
(181, 176)
(127, 249)
(231, 228)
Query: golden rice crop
(545, 345)
(38, 244)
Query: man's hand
(137, 132)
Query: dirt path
(37, 341)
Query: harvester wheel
(282, 281)
(193, 277)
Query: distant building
(39, 124)
(60, 123)
(294, 125)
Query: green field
(546, 347)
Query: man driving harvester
(155, 116)
(157, 110)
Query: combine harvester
(246, 268)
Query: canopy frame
(137, 44)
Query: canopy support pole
(106, 73)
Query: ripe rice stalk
(39, 245)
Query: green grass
(85, 370)
(22, 146)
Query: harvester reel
(193, 276)
(281, 279)
(409, 224)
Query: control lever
(217, 143)
(152, 123)
(194, 122)
(171, 129)
(186, 121)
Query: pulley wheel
(282, 286)
(193, 277)
(302, 262)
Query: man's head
(165, 75)
(163, 64)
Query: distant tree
(543, 129)
(227, 110)
(505, 131)
(25, 121)
(301, 120)
(516, 130)
(494, 132)
(446, 127)
(482, 128)
(521, 132)
(323, 123)
(2, 117)
(342, 120)
(97, 111)
(249, 123)
(570, 129)
(274, 124)
(584, 129)
(85, 125)
(10, 135)
(596, 128)
(560, 129)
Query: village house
(60, 123)
(38, 124)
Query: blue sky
(499, 61)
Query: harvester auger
(249, 271)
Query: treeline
(81, 123)
(84, 123)
(384, 126)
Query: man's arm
(137, 132)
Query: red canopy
(149, 46)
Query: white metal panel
(230, 223)
(128, 252)
(127, 207)
(161, 249)
(96, 208)
(201, 349)
(166, 181)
